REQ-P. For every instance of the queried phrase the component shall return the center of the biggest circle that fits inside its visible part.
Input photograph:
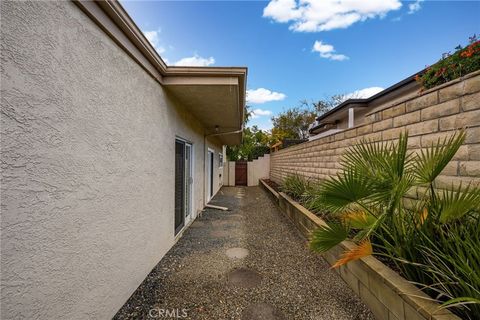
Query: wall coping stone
(332, 138)
(425, 92)
(272, 191)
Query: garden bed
(388, 295)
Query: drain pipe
(222, 133)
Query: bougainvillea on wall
(452, 66)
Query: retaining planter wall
(433, 114)
(385, 292)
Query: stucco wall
(427, 116)
(258, 169)
(214, 144)
(231, 173)
(87, 166)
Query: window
(220, 160)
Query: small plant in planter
(433, 240)
(296, 186)
(452, 66)
(306, 192)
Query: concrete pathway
(248, 263)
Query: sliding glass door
(183, 183)
(210, 158)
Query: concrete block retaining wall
(388, 295)
(433, 114)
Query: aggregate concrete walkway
(248, 263)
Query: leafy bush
(433, 241)
(306, 192)
(452, 66)
(312, 199)
(296, 186)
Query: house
(352, 112)
(108, 155)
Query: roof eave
(113, 19)
(367, 101)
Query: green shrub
(312, 199)
(306, 192)
(452, 66)
(433, 241)
(296, 186)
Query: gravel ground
(279, 278)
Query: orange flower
(362, 250)
(468, 52)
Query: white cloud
(414, 7)
(195, 61)
(154, 38)
(327, 51)
(262, 95)
(256, 113)
(363, 93)
(324, 15)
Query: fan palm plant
(296, 186)
(369, 200)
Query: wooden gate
(241, 173)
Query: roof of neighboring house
(214, 95)
(363, 102)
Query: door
(188, 181)
(183, 183)
(210, 173)
(179, 185)
(241, 173)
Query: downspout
(222, 133)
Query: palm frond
(421, 217)
(400, 155)
(326, 237)
(359, 219)
(362, 250)
(347, 188)
(296, 186)
(431, 161)
(387, 165)
(456, 203)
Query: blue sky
(309, 49)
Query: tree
(255, 142)
(293, 123)
(327, 104)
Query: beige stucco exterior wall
(213, 144)
(428, 116)
(231, 173)
(258, 169)
(87, 166)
